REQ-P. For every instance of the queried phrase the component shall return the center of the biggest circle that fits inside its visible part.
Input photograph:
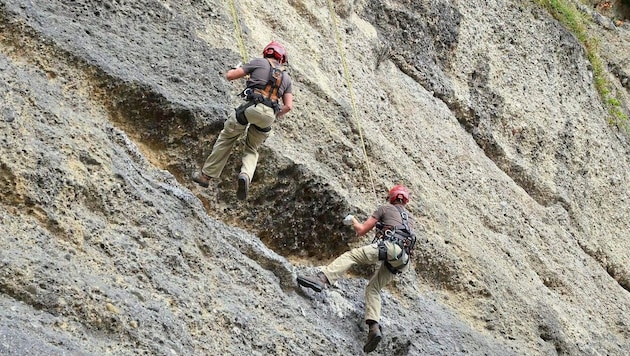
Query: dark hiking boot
(374, 337)
(201, 179)
(242, 187)
(316, 283)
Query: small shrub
(569, 16)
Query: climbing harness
(400, 235)
(267, 96)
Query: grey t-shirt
(389, 215)
(259, 71)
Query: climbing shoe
(242, 187)
(374, 337)
(316, 283)
(201, 179)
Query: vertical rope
(239, 33)
(352, 100)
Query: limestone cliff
(487, 110)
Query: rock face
(486, 110)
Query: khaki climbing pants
(259, 115)
(367, 255)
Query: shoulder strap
(275, 79)
(405, 216)
(410, 239)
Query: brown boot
(201, 179)
(316, 283)
(374, 337)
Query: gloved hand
(348, 220)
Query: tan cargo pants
(259, 115)
(367, 255)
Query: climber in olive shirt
(393, 245)
(268, 84)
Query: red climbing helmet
(398, 192)
(275, 50)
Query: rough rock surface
(486, 110)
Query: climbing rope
(352, 100)
(239, 33)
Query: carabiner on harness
(246, 93)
